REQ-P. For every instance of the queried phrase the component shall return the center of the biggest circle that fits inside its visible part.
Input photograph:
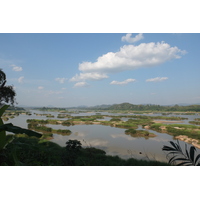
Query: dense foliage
(7, 93)
(24, 151)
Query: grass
(47, 131)
(139, 133)
(191, 131)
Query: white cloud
(20, 79)
(40, 87)
(123, 82)
(88, 76)
(128, 38)
(16, 68)
(61, 80)
(81, 84)
(157, 79)
(132, 57)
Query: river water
(110, 139)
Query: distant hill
(133, 107)
(152, 107)
(140, 107)
(103, 106)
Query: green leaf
(2, 135)
(173, 144)
(171, 160)
(167, 148)
(186, 151)
(186, 162)
(182, 159)
(192, 151)
(2, 141)
(179, 147)
(2, 109)
(8, 138)
(196, 159)
(18, 130)
(189, 164)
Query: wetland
(139, 135)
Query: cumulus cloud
(157, 79)
(61, 80)
(123, 82)
(89, 76)
(16, 68)
(131, 57)
(128, 38)
(81, 84)
(20, 79)
(40, 87)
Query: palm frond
(180, 158)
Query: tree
(7, 93)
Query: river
(110, 139)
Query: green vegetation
(157, 126)
(149, 107)
(7, 93)
(29, 148)
(115, 119)
(46, 130)
(191, 131)
(139, 133)
(5, 139)
(147, 117)
(47, 115)
(195, 122)
(25, 151)
(127, 108)
(13, 113)
(49, 121)
(63, 116)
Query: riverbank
(35, 152)
(186, 139)
(167, 121)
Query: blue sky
(72, 69)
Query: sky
(75, 69)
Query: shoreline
(188, 140)
(167, 121)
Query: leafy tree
(7, 93)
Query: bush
(130, 131)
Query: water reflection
(114, 141)
(110, 139)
